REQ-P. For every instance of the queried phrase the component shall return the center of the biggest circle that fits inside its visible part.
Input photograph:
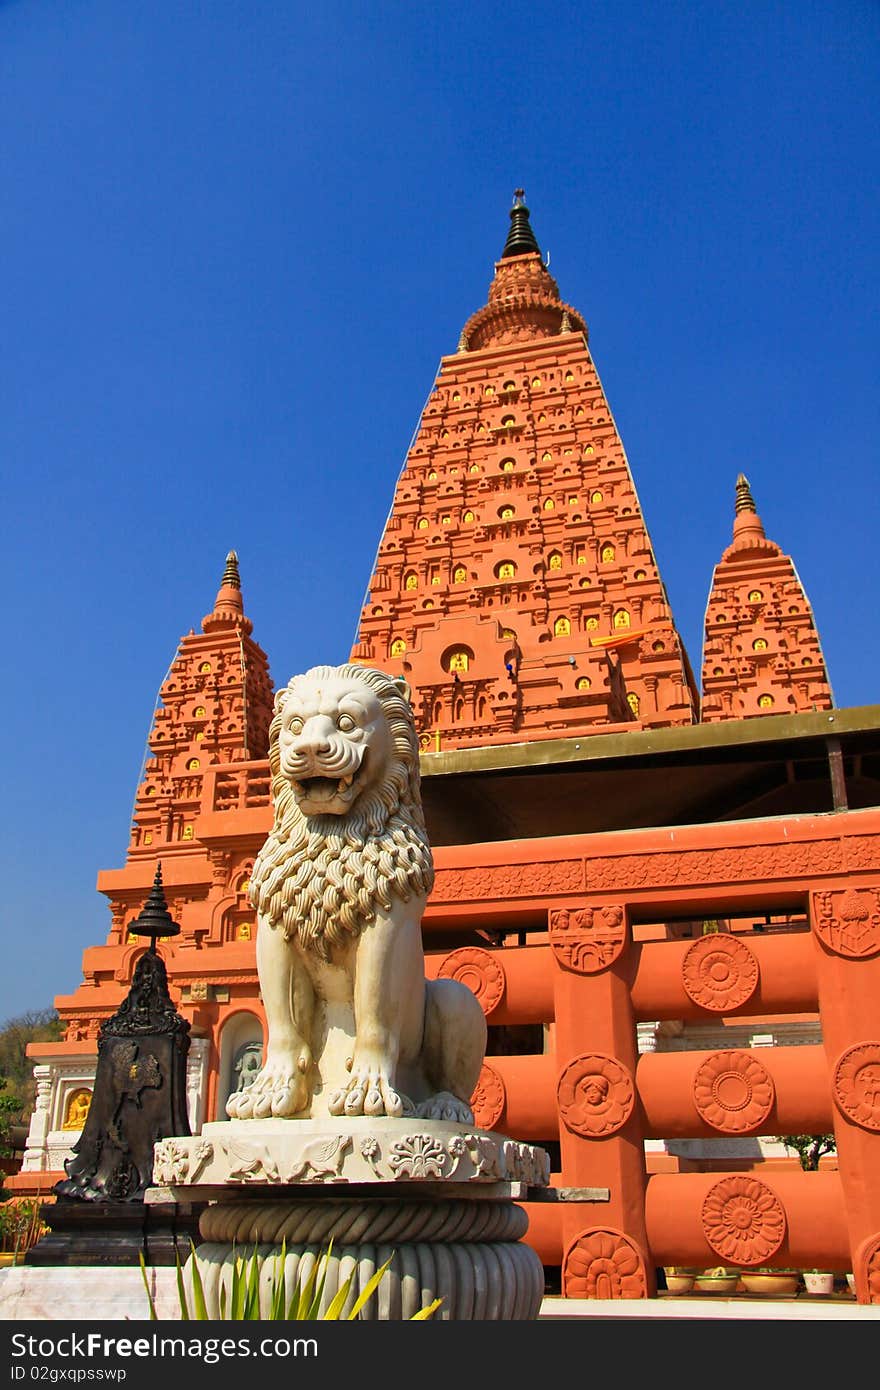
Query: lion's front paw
(280, 1089)
(368, 1092)
(445, 1106)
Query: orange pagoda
(666, 899)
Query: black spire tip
(520, 239)
(231, 574)
(155, 920)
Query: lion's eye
(296, 725)
(345, 723)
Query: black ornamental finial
(231, 574)
(744, 499)
(520, 239)
(155, 920)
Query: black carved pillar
(139, 1097)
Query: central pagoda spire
(515, 587)
(524, 301)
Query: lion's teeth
(345, 782)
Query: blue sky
(235, 240)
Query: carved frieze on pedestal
(720, 973)
(733, 1092)
(856, 1085)
(596, 1095)
(847, 922)
(357, 1150)
(603, 1263)
(743, 1220)
(438, 1199)
(587, 939)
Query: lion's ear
(281, 699)
(404, 688)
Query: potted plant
(818, 1281)
(21, 1226)
(678, 1279)
(771, 1283)
(719, 1280)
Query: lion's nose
(315, 737)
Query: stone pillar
(599, 1126)
(37, 1144)
(846, 931)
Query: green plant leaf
(427, 1312)
(181, 1293)
(334, 1310)
(200, 1307)
(321, 1268)
(276, 1309)
(369, 1289)
(252, 1294)
(154, 1317)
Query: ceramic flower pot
(775, 1284)
(716, 1283)
(678, 1283)
(818, 1282)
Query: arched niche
(241, 1040)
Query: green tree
(809, 1147)
(16, 1068)
(10, 1110)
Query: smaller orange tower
(214, 706)
(761, 651)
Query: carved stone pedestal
(437, 1198)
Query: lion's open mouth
(336, 794)
(323, 788)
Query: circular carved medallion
(489, 1098)
(743, 1220)
(857, 1084)
(866, 1263)
(733, 1092)
(480, 971)
(719, 973)
(603, 1264)
(595, 1094)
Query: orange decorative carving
(848, 923)
(733, 1092)
(480, 970)
(745, 864)
(856, 1084)
(719, 973)
(866, 1267)
(489, 1098)
(603, 1263)
(743, 1220)
(510, 881)
(596, 1095)
(588, 939)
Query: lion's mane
(322, 878)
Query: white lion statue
(354, 1028)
